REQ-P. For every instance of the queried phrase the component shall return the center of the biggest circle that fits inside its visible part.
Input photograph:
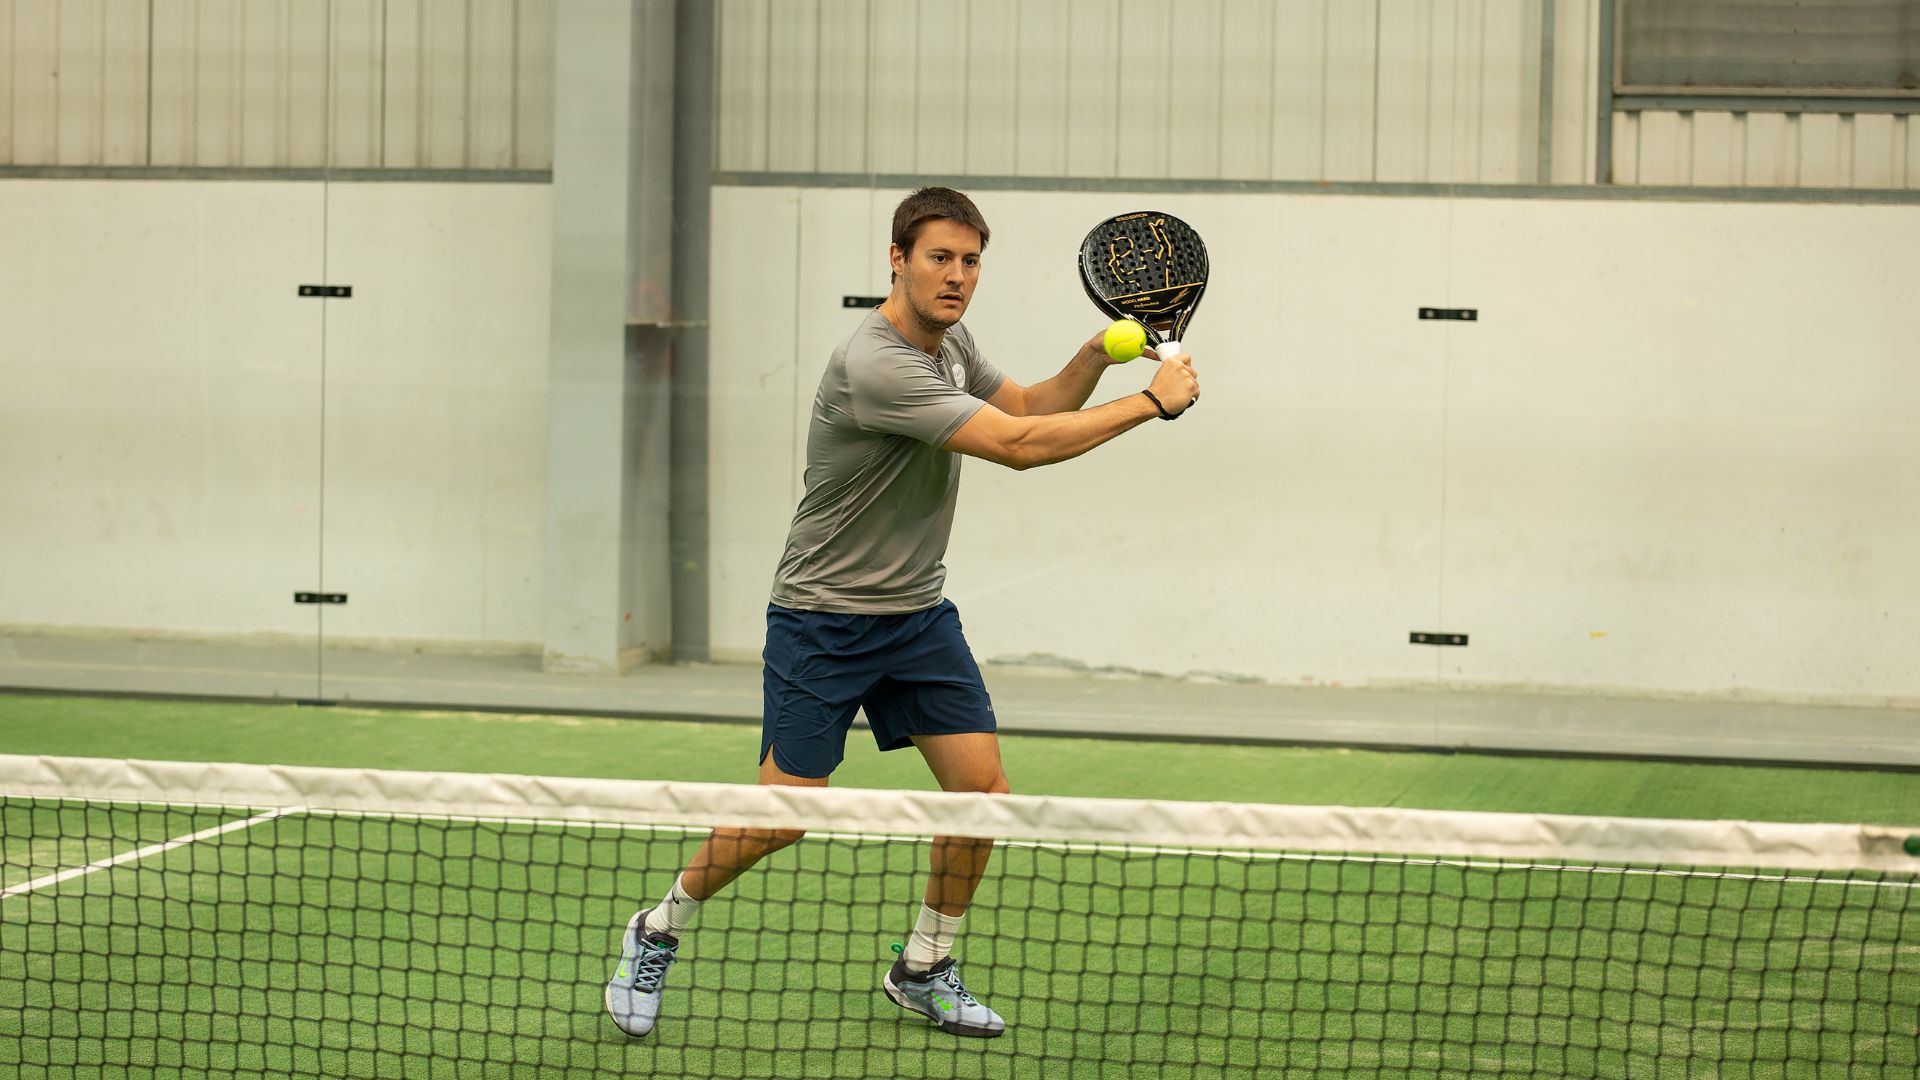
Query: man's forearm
(1056, 438)
(1068, 390)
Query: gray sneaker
(633, 995)
(940, 996)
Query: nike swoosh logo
(924, 997)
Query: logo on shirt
(959, 376)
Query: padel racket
(1149, 267)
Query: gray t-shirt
(872, 528)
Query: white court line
(141, 853)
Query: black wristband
(1164, 414)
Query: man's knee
(991, 782)
(744, 847)
(771, 840)
(991, 779)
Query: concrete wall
(1676, 456)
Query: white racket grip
(1167, 348)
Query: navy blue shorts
(912, 673)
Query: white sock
(932, 939)
(674, 914)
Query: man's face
(940, 273)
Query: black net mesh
(230, 943)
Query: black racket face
(1146, 266)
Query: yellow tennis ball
(1125, 339)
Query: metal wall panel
(1403, 91)
(491, 73)
(893, 88)
(447, 84)
(991, 85)
(793, 54)
(840, 101)
(1351, 61)
(1091, 125)
(358, 33)
(1413, 90)
(741, 31)
(1145, 73)
(1246, 89)
(82, 71)
(941, 102)
(1755, 149)
(1576, 85)
(533, 83)
(1298, 60)
(32, 84)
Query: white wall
(1678, 454)
(174, 418)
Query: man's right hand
(1175, 384)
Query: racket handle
(1167, 348)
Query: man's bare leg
(964, 762)
(925, 979)
(651, 941)
(728, 853)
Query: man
(857, 619)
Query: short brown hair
(935, 204)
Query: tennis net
(165, 918)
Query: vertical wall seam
(766, 90)
(1220, 113)
(1475, 121)
(1273, 97)
(284, 150)
(100, 113)
(468, 113)
(966, 89)
(422, 102)
(1427, 99)
(1018, 67)
(380, 124)
(54, 135)
(1543, 162)
(1166, 100)
(1326, 45)
(819, 94)
(149, 131)
(1113, 104)
(513, 91)
(866, 104)
(1373, 163)
(1603, 104)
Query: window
(1768, 48)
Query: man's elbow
(1012, 442)
(1013, 457)
(1023, 452)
